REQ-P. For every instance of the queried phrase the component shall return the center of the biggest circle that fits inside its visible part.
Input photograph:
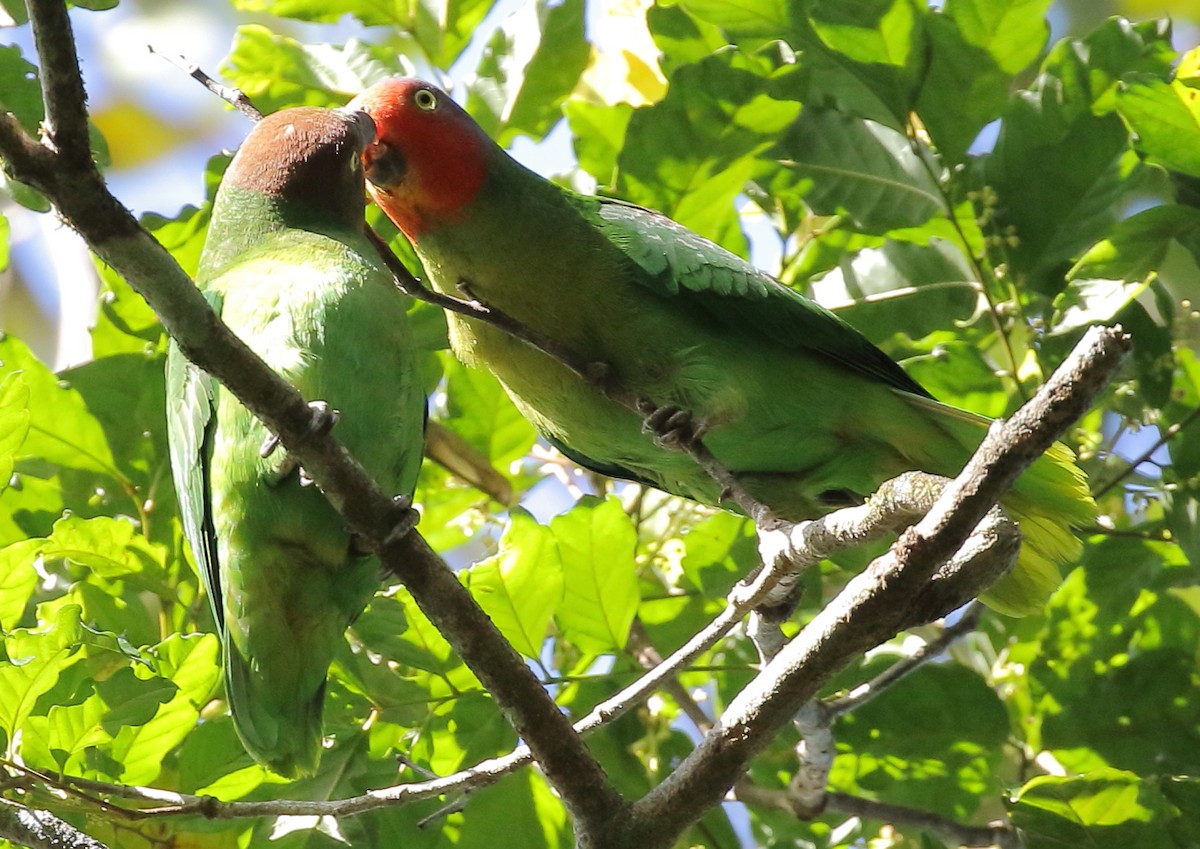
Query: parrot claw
(322, 421)
(407, 518)
(323, 418)
(672, 426)
(269, 445)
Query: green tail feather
(283, 734)
(1048, 501)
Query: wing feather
(191, 420)
(679, 263)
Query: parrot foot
(406, 518)
(672, 426)
(323, 419)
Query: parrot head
(429, 158)
(307, 156)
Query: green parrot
(287, 267)
(800, 406)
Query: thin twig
(999, 835)
(1167, 435)
(235, 97)
(868, 690)
(645, 653)
(905, 817)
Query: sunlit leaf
(520, 587)
(596, 543)
(14, 422)
(1108, 809)
(276, 72)
(529, 66)
(860, 167)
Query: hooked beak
(362, 124)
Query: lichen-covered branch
(41, 829)
(955, 833)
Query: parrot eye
(425, 99)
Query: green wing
(681, 264)
(191, 419)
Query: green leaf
(900, 288)
(20, 92)
(598, 133)
(1059, 166)
(860, 167)
(1165, 117)
(1138, 245)
(34, 658)
(190, 662)
(520, 587)
(872, 32)
(14, 423)
(743, 18)
(126, 393)
(102, 544)
(480, 411)
(1090, 301)
(441, 27)
(596, 543)
(717, 552)
(976, 47)
(1108, 809)
(17, 579)
(957, 373)
(530, 65)
(526, 806)
(276, 72)
(61, 428)
(1012, 32)
(690, 155)
(907, 745)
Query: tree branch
(41, 829)
(66, 175)
(901, 589)
(63, 95)
(455, 455)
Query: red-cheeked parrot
(797, 403)
(288, 269)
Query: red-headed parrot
(799, 405)
(288, 269)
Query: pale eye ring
(425, 99)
